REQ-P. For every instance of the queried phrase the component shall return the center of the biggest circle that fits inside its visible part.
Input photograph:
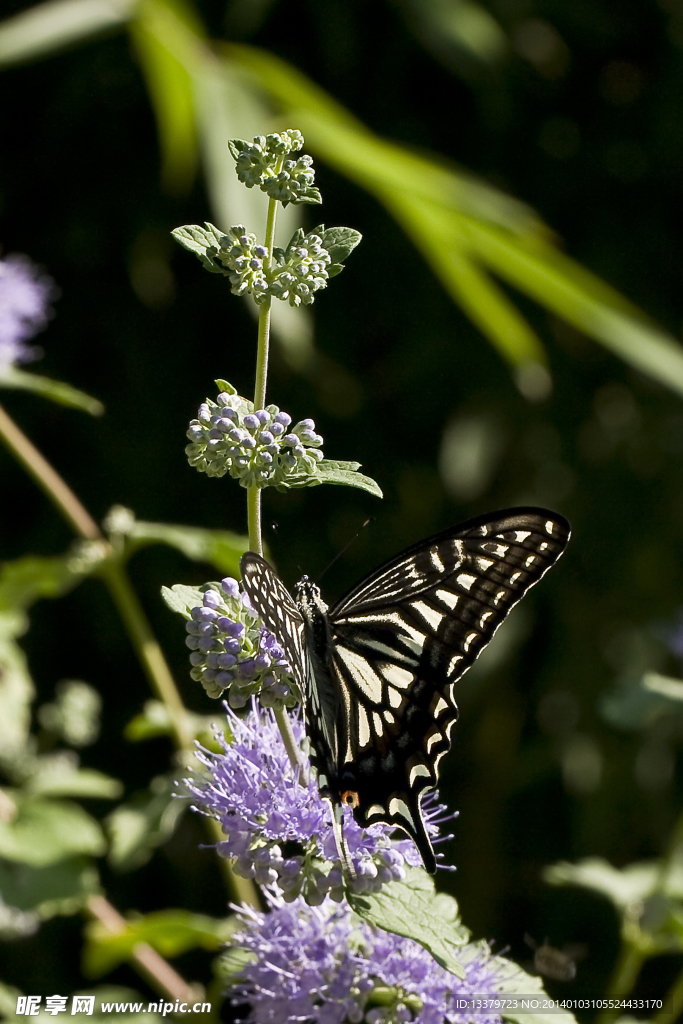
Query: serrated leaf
(46, 831)
(143, 823)
(62, 888)
(55, 390)
(219, 548)
(170, 932)
(180, 598)
(225, 385)
(204, 242)
(414, 909)
(309, 195)
(340, 242)
(332, 472)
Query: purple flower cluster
(258, 448)
(25, 294)
(264, 162)
(278, 829)
(325, 965)
(232, 651)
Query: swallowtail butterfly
(378, 668)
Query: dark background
(586, 126)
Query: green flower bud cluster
(258, 448)
(303, 272)
(264, 162)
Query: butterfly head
(308, 597)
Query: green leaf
(621, 886)
(182, 599)
(636, 705)
(231, 963)
(466, 230)
(513, 981)
(340, 242)
(46, 831)
(49, 27)
(59, 775)
(219, 548)
(332, 472)
(154, 720)
(205, 242)
(154, 29)
(27, 579)
(55, 390)
(16, 691)
(170, 932)
(8, 1000)
(62, 888)
(143, 823)
(414, 909)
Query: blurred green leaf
(55, 390)
(414, 909)
(511, 980)
(50, 27)
(8, 1000)
(219, 548)
(623, 887)
(636, 705)
(157, 29)
(27, 579)
(170, 932)
(462, 227)
(74, 715)
(62, 888)
(46, 831)
(58, 774)
(16, 689)
(143, 823)
(154, 720)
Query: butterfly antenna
(350, 873)
(346, 547)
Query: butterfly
(377, 669)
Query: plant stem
(293, 751)
(148, 963)
(262, 350)
(626, 970)
(148, 650)
(52, 485)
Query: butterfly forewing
(405, 635)
(274, 606)
(380, 703)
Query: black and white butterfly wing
(403, 637)
(274, 605)
(378, 670)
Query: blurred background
(573, 109)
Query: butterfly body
(378, 668)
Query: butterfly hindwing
(378, 670)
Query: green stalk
(626, 970)
(262, 351)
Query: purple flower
(253, 791)
(25, 294)
(324, 965)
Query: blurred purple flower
(25, 294)
(322, 964)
